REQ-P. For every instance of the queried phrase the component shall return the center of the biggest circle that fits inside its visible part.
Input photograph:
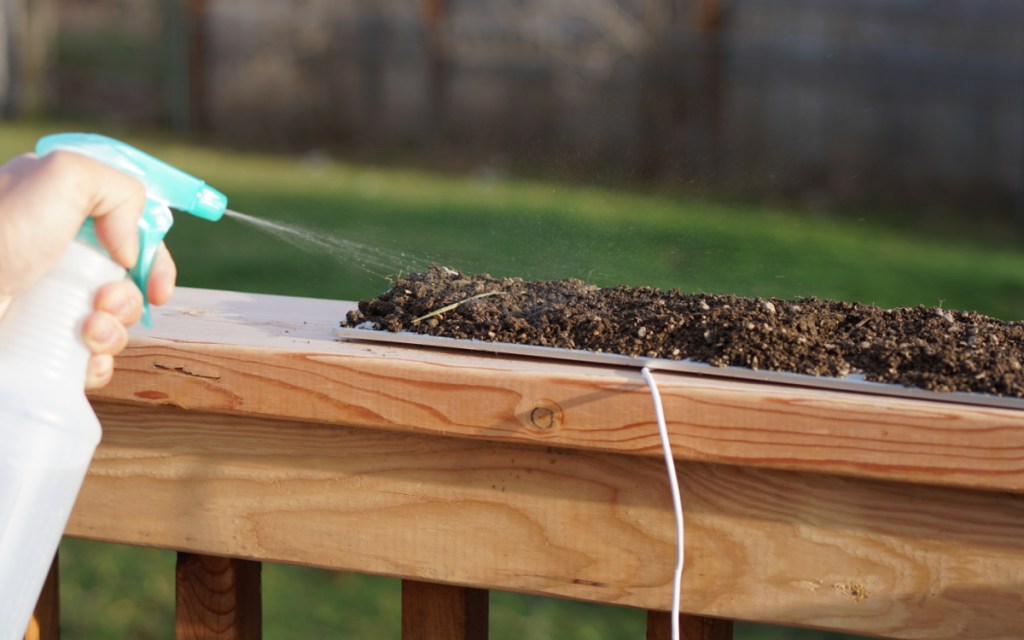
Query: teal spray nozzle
(166, 188)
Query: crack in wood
(186, 371)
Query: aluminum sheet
(853, 383)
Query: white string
(677, 503)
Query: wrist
(4, 302)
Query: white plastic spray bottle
(48, 431)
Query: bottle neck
(41, 331)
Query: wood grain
(792, 548)
(217, 598)
(271, 356)
(45, 622)
(433, 611)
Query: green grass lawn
(381, 220)
(393, 219)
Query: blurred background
(824, 103)
(864, 150)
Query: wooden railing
(239, 430)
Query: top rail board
(278, 357)
(855, 383)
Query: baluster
(443, 612)
(217, 598)
(45, 622)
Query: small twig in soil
(456, 305)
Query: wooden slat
(709, 16)
(276, 357)
(659, 627)
(218, 598)
(196, 63)
(432, 611)
(45, 622)
(783, 547)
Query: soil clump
(926, 347)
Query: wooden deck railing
(239, 430)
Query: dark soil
(931, 348)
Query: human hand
(43, 203)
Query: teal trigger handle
(166, 188)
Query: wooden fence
(241, 431)
(822, 102)
(853, 101)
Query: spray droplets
(372, 259)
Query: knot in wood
(546, 416)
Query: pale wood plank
(45, 622)
(274, 356)
(217, 597)
(432, 611)
(659, 627)
(791, 548)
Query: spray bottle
(48, 431)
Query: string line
(677, 503)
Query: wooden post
(711, 18)
(28, 36)
(659, 627)
(432, 13)
(217, 598)
(443, 612)
(45, 622)
(40, 47)
(185, 50)
(195, 18)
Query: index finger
(112, 198)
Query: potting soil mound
(930, 348)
